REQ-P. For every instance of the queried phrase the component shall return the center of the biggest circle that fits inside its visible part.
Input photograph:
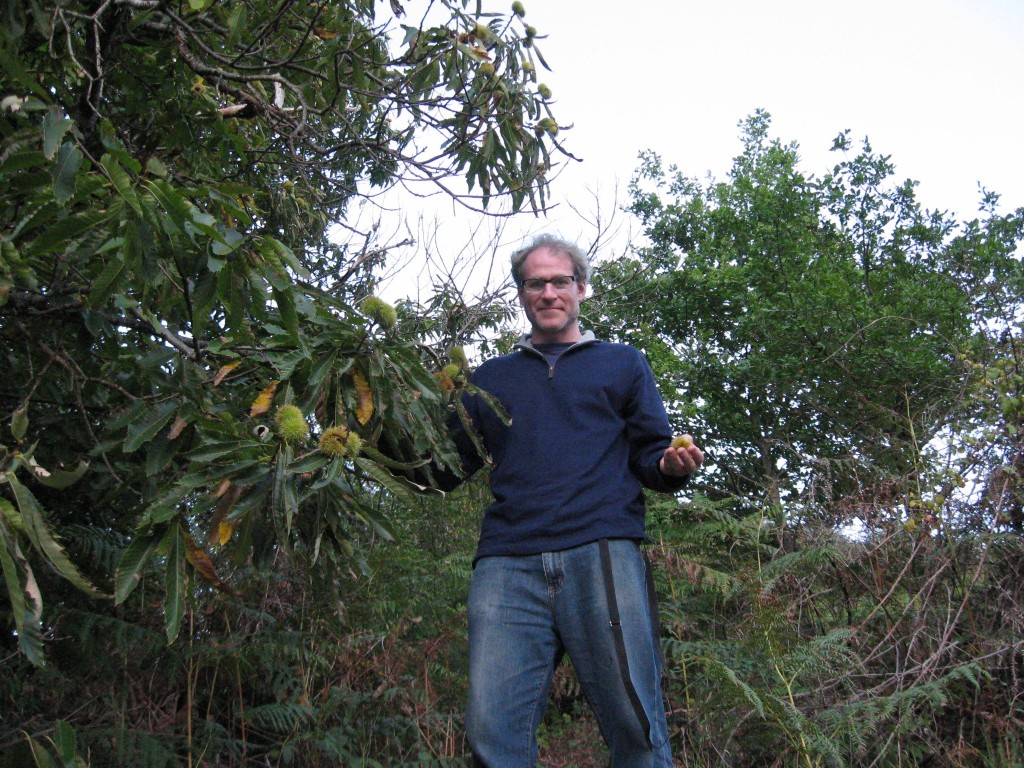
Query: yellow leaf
(364, 403)
(224, 371)
(221, 529)
(262, 403)
(226, 530)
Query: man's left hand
(679, 462)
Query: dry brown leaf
(176, 428)
(201, 561)
(224, 371)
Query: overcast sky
(936, 84)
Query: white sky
(936, 84)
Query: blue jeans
(524, 613)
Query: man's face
(553, 314)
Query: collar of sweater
(526, 341)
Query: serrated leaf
(284, 498)
(175, 580)
(63, 478)
(179, 210)
(390, 463)
(364, 397)
(55, 126)
(287, 257)
(66, 742)
(155, 166)
(58, 234)
(19, 422)
(138, 555)
(40, 756)
(43, 540)
(467, 424)
(286, 306)
(403, 490)
(218, 449)
(65, 172)
(323, 367)
(23, 593)
(106, 283)
(228, 242)
(147, 427)
(121, 180)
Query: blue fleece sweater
(585, 438)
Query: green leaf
(22, 590)
(227, 242)
(236, 22)
(63, 478)
(43, 539)
(287, 257)
(55, 126)
(177, 207)
(41, 757)
(284, 499)
(218, 449)
(310, 463)
(323, 367)
(175, 580)
(404, 490)
(107, 282)
(145, 429)
(135, 559)
(58, 235)
(65, 172)
(286, 306)
(155, 166)
(19, 422)
(122, 181)
(66, 742)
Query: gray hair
(580, 260)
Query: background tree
(842, 587)
(804, 323)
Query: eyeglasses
(537, 284)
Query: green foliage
(843, 586)
(799, 321)
(169, 282)
(835, 592)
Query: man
(558, 568)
